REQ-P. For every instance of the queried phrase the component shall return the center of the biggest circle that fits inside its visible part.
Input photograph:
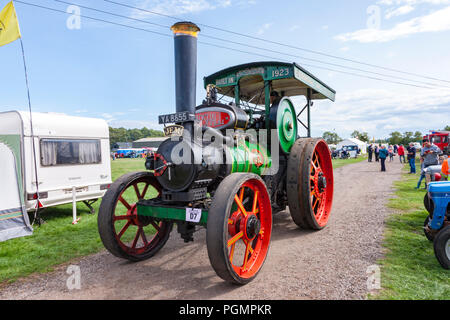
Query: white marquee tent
(351, 142)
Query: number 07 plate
(193, 214)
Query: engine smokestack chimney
(185, 38)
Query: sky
(126, 76)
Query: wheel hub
(322, 182)
(234, 223)
(252, 227)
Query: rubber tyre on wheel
(310, 183)
(427, 234)
(442, 247)
(239, 228)
(428, 204)
(122, 197)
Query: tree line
(129, 135)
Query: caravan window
(56, 152)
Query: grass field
(410, 269)
(58, 241)
(337, 163)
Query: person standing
(370, 151)
(446, 168)
(429, 156)
(391, 153)
(401, 153)
(412, 158)
(377, 153)
(383, 153)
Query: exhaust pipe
(185, 40)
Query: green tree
(363, 136)
(418, 136)
(395, 138)
(129, 135)
(331, 137)
(407, 137)
(447, 128)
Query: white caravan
(72, 154)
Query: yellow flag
(9, 25)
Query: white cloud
(379, 112)
(399, 11)
(433, 22)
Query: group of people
(382, 152)
(432, 160)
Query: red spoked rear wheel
(239, 228)
(310, 183)
(123, 233)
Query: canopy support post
(308, 98)
(267, 102)
(237, 98)
(307, 107)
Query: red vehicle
(441, 139)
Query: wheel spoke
(232, 252)
(317, 159)
(156, 226)
(235, 238)
(144, 238)
(241, 194)
(250, 247)
(125, 203)
(240, 205)
(136, 238)
(315, 203)
(124, 228)
(136, 189)
(247, 250)
(255, 202)
(118, 218)
(144, 192)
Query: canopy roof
(288, 79)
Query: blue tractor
(437, 225)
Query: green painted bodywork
(286, 124)
(249, 157)
(168, 213)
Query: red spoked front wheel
(239, 228)
(123, 233)
(310, 183)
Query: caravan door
(13, 217)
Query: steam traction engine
(248, 164)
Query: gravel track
(329, 264)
